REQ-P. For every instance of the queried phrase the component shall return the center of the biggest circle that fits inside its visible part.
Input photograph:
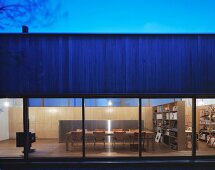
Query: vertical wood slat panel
(66, 64)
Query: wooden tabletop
(111, 132)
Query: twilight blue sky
(123, 16)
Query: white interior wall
(188, 102)
(4, 123)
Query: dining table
(149, 136)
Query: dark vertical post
(140, 127)
(26, 127)
(83, 126)
(43, 102)
(193, 126)
(69, 102)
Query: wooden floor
(52, 148)
(8, 149)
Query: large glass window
(205, 126)
(11, 123)
(167, 127)
(57, 125)
(111, 127)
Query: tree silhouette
(34, 13)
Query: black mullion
(43, 101)
(26, 127)
(69, 102)
(193, 127)
(83, 128)
(140, 127)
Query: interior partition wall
(65, 127)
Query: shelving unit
(207, 122)
(169, 120)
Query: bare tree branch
(31, 12)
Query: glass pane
(205, 126)
(49, 102)
(111, 101)
(35, 102)
(167, 123)
(11, 123)
(75, 102)
(111, 127)
(156, 102)
(58, 129)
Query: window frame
(84, 96)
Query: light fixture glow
(109, 103)
(53, 110)
(201, 102)
(6, 104)
(109, 129)
(109, 125)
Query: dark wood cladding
(98, 63)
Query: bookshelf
(207, 122)
(169, 120)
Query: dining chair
(99, 130)
(114, 130)
(98, 136)
(135, 140)
(118, 136)
(76, 137)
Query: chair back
(99, 130)
(117, 130)
(136, 135)
(76, 136)
(143, 136)
(99, 135)
(119, 135)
